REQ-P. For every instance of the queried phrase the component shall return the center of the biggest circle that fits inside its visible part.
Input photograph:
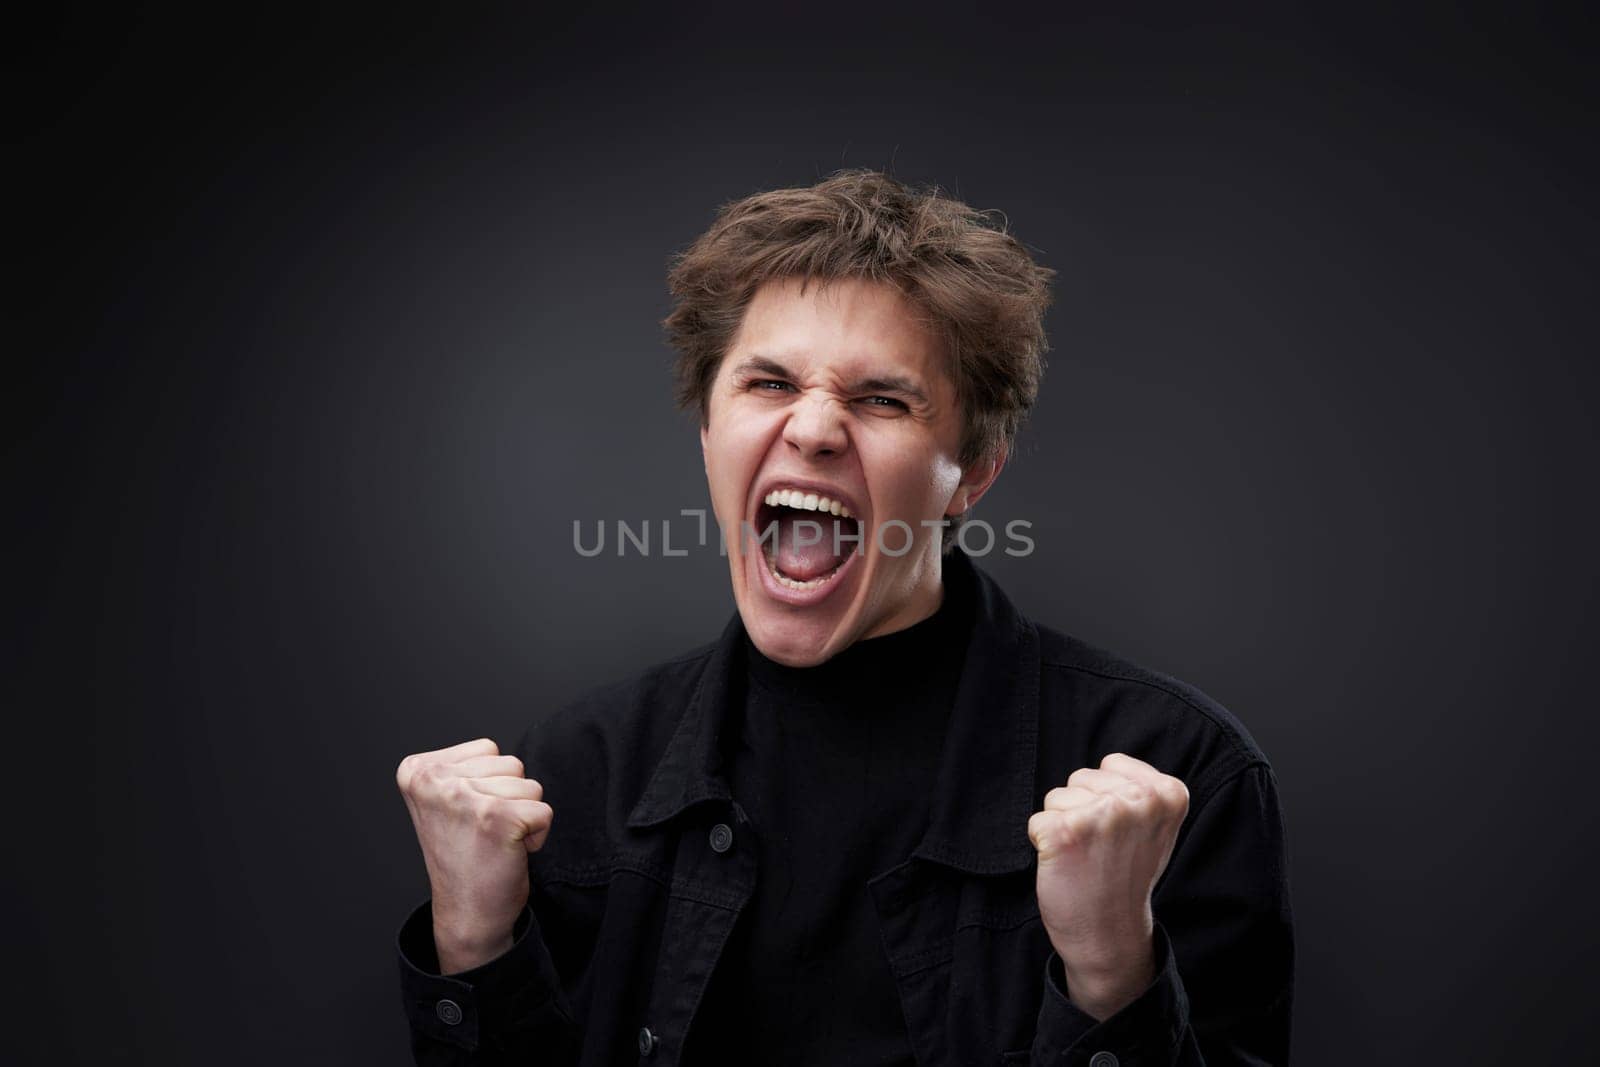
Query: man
(884, 819)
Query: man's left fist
(1103, 840)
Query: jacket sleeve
(507, 1011)
(1224, 947)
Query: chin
(797, 628)
(791, 645)
(794, 638)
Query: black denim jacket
(647, 866)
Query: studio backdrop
(338, 338)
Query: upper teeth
(797, 498)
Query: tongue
(802, 561)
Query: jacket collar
(984, 791)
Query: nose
(816, 427)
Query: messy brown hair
(976, 287)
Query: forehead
(848, 327)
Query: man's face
(842, 394)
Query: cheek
(934, 476)
(721, 461)
(733, 451)
(946, 479)
(908, 482)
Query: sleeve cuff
(512, 990)
(1145, 1032)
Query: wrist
(464, 943)
(1104, 982)
(462, 951)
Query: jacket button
(647, 1041)
(1103, 1059)
(721, 837)
(449, 1012)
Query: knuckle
(425, 779)
(454, 793)
(1077, 824)
(536, 826)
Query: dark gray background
(329, 330)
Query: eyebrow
(878, 384)
(761, 365)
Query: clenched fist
(476, 818)
(1103, 840)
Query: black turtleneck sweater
(834, 765)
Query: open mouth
(806, 538)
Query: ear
(703, 462)
(975, 481)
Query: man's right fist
(476, 818)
